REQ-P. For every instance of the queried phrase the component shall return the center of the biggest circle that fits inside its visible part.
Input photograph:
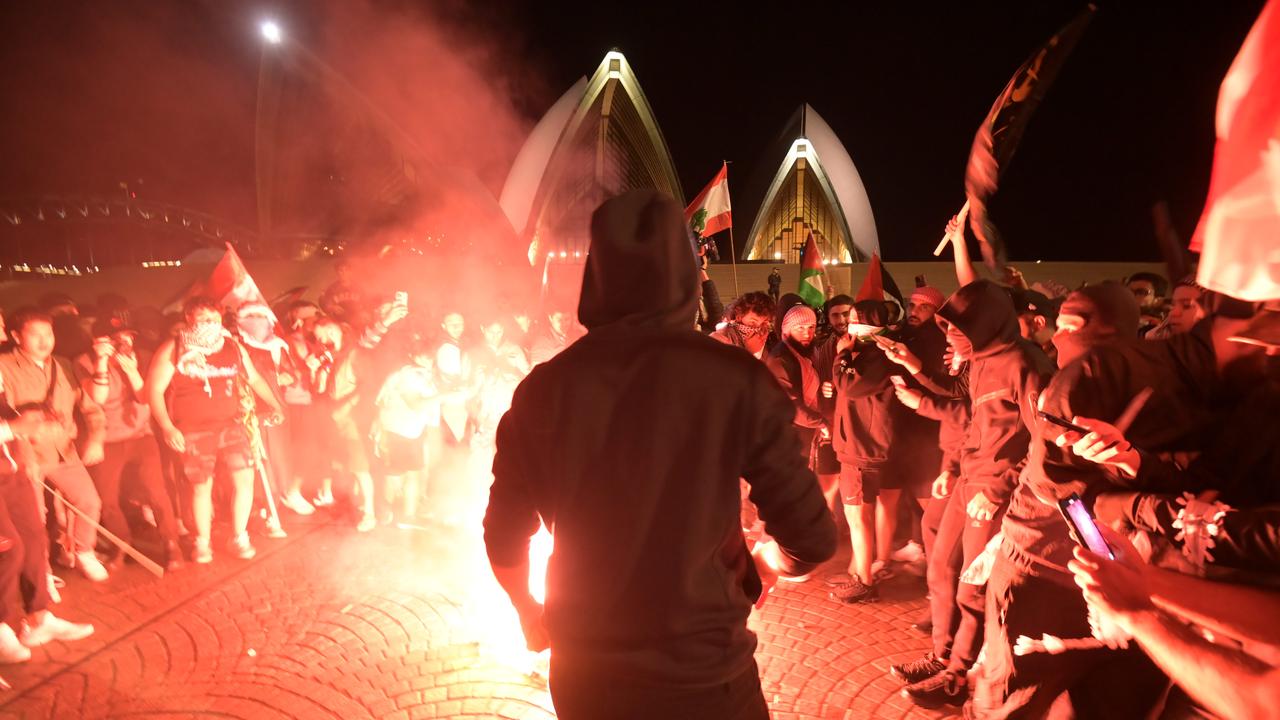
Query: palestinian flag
(812, 280)
(709, 213)
(230, 284)
(879, 285)
(1238, 236)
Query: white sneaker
(90, 566)
(12, 651)
(909, 553)
(54, 628)
(367, 523)
(203, 553)
(53, 583)
(298, 504)
(241, 546)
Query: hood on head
(1115, 306)
(982, 311)
(640, 268)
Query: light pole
(265, 124)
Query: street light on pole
(268, 107)
(271, 32)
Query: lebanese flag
(710, 213)
(812, 289)
(879, 285)
(230, 284)
(1238, 236)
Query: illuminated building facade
(598, 140)
(815, 188)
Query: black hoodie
(1006, 374)
(629, 445)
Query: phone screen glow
(1087, 528)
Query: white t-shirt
(409, 402)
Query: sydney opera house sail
(814, 188)
(599, 139)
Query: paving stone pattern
(399, 624)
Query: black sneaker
(854, 592)
(917, 670)
(945, 688)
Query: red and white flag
(230, 284)
(710, 212)
(1238, 237)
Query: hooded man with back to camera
(629, 446)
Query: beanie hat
(796, 316)
(926, 294)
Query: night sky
(165, 89)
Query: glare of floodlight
(271, 32)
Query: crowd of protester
(946, 435)
(991, 409)
(163, 430)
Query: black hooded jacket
(1006, 374)
(629, 445)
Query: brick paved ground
(329, 624)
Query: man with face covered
(270, 355)
(629, 446)
(750, 321)
(1006, 375)
(194, 392)
(1190, 378)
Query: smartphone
(897, 381)
(1083, 527)
(1062, 423)
(402, 297)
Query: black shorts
(826, 463)
(207, 449)
(912, 471)
(402, 454)
(858, 485)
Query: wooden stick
(125, 547)
(947, 238)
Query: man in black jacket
(1006, 374)
(629, 445)
(1193, 377)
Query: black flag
(999, 134)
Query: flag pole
(733, 248)
(947, 238)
